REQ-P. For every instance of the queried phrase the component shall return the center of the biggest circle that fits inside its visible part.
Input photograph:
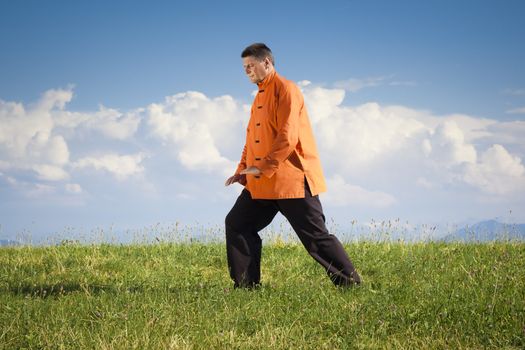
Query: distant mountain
(7, 242)
(486, 231)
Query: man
(281, 172)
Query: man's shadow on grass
(62, 289)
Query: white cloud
(341, 193)
(28, 189)
(392, 154)
(358, 135)
(473, 128)
(54, 99)
(507, 132)
(365, 141)
(448, 146)
(73, 188)
(43, 148)
(354, 85)
(498, 172)
(520, 110)
(110, 122)
(50, 172)
(322, 103)
(27, 139)
(121, 166)
(199, 128)
(33, 138)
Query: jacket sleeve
(242, 163)
(288, 119)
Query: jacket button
(258, 124)
(259, 107)
(257, 176)
(261, 90)
(257, 158)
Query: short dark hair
(259, 51)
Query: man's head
(257, 61)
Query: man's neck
(266, 76)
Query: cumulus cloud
(50, 172)
(473, 128)
(322, 103)
(33, 138)
(120, 166)
(358, 135)
(341, 193)
(498, 172)
(27, 138)
(372, 154)
(109, 122)
(510, 132)
(54, 98)
(447, 145)
(200, 128)
(433, 150)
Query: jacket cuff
(268, 168)
(239, 169)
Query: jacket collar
(267, 80)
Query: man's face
(256, 70)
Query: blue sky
(132, 113)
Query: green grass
(179, 296)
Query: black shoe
(247, 286)
(351, 281)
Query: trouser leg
(307, 219)
(243, 244)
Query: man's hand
(236, 178)
(241, 177)
(253, 170)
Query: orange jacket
(280, 142)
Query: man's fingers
(231, 180)
(240, 178)
(250, 170)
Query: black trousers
(249, 216)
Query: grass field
(179, 296)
